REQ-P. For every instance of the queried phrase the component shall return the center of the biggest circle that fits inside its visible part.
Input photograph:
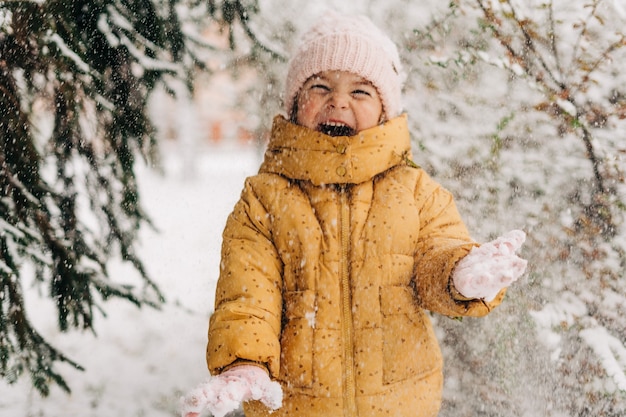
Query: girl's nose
(339, 100)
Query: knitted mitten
(489, 268)
(224, 393)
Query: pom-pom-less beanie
(347, 43)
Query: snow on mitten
(489, 268)
(224, 393)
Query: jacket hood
(298, 152)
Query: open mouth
(336, 129)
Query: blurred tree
(69, 198)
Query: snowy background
(555, 348)
(141, 360)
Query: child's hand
(487, 269)
(224, 393)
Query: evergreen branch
(37, 355)
(41, 226)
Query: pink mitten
(489, 268)
(224, 393)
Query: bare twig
(520, 58)
(530, 44)
(604, 56)
(582, 33)
(553, 45)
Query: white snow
(611, 352)
(566, 106)
(67, 51)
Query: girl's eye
(321, 87)
(361, 92)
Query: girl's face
(338, 103)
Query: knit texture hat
(347, 43)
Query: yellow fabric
(330, 260)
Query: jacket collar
(300, 153)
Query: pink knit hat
(347, 43)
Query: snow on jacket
(330, 258)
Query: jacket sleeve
(245, 326)
(442, 242)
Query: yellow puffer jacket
(329, 261)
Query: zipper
(349, 387)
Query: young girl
(338, 247)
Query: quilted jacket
(330, 260)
